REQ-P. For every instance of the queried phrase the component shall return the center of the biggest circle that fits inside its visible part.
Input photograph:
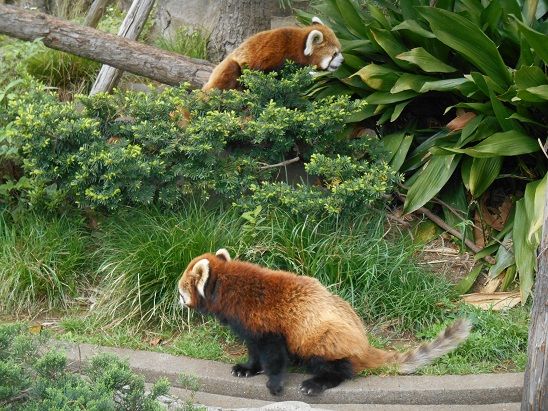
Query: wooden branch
(95, 13)
(283, 163)
(141, 59)
(131, 27)
(535, 396)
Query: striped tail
(445, 342)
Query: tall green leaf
(389, 43)
(432, 177)
(426, 61)
(378, 77)
(352, 17)
(524, 253)
(482, 173)
(538, 41)
(510, 143)
(469, 40)
(534, 206)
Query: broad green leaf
(465, 168)
(509, 277)
(482, 173)
(401, 153)
(534, 206)
(524, 119)
(469, 130)
(539, 91)
(353, 61)
(454, 195)
(379, 97)
(469, 40)
(389, 43)
(378, 77)
(538, 41)
(478, 107)
(445, 85)
(415, 27)
(504, 257)
(426, 61)
(509, 143)
(398, 110)
(410, 82)
(351, 16)
(502, 114)
(362, 46)
(524, 253)
(432, 177)
(464, 285)
(377, 14)
(392, 143)
(529, 76)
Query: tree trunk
(95, 13)
(536, 374)
(238, 19)
(130, 29)
(141, 59)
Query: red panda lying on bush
(314, 45)
(282, 316)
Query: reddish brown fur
(313, 321)
(268, 50)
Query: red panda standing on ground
(282, 316)
(314, 45)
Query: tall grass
(143, 255)
(43, 262)
(186, 41)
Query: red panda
(282, 316)
(314, 45)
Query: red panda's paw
(275, 385)
(243, 371)
(312, 387)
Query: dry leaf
(155, 341)
(35, 329)
(493, 301)
(491, 286)
(459, 122)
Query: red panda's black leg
(274, 360)
(253, 365)
(327, 374)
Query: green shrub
(142, 149)
(33, 377)
(414, 63)
(186, 41)
(44, 263)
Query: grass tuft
(186, 41)
(43, 262)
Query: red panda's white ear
(223, 254)
(201, 270)
(316, 20)
(314, 37)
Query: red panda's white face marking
(193, 281)
(323, 47)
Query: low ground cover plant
(34, 376)
(107, 151)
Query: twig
(470, 244)
(543, 147)
(283, 163)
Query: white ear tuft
(201, 269)
(314, 37)
(316, 20)
(223, 254)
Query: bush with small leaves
(107, 151)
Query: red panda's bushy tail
(445, 342)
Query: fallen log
(137, 58)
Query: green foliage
(186, 41)
(35, 378)
(43, 262)
(416, 65)
(157, 148)
(62, 70)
